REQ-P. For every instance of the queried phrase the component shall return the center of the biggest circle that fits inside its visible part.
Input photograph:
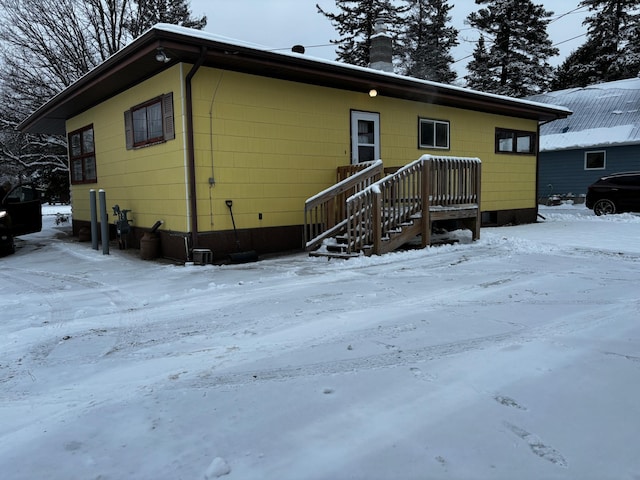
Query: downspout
(540, 124)
(191, 154)
(538, 172)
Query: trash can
(149, 246)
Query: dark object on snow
(615, 193)
(150, 243)
(239, 256)
(20, 214)
(149, 246)
(123, 227)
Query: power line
(567, 13)
(305, 46)
(556, 18)
(574, 10)
(569, 39)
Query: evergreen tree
(578, 69)
(428, 40)
(520, 47)
(480, 75)
(611, 50)
(176, 12)
(632, 50)
(355, 24)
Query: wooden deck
(385, 214)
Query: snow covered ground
(513, 357)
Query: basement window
(150, 123)
(433, 133)
(82, 157)
(515, 141)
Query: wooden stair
(395, 239)
(390, 213)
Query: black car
(20, 213)
(615, 193)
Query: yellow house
(180, 122)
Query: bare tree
(176, 12)
(109, 20)
(46, 45)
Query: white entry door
(365, 136)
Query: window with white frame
(433, 133)
(596, 160)
(365, 136)
(515, 141)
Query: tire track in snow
(394, 357)
(56, 328)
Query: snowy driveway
(517, 356)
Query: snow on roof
(604, 114)
(588, 138)
(167, 27)
(125, 66)
(192, 32)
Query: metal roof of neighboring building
(603, 114)
(136, 62)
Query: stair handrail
(399, 192)
(325, 212)
(446, 180)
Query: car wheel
(604, 207)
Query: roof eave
(136, 62)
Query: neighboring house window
(150, 122)
(82, 157)
(515, 141)
(365, 136)
(433, 133)
(595, 160)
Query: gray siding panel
(562, 172)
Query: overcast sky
(280, 24)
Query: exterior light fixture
(161, 56)
(373, 93)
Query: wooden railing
(430, 188)
(325, 213)
(453, 180)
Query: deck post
(377, 222)
(331, 213)
(478, 220)
(426, 193)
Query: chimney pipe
(381, 53)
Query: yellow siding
(149, 181)
(276, 143)
(269, 144)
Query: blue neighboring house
(601, 137)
